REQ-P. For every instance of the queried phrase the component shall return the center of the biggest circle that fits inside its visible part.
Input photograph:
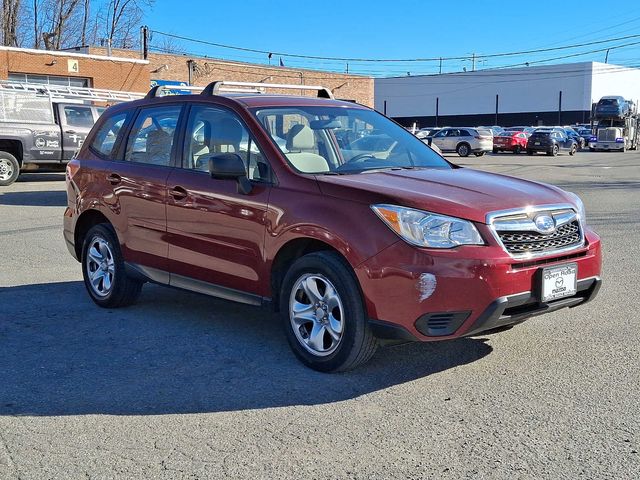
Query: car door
(563, 140)
(75, 122)
(440, 139)
(453, 138)
(216, 234)
(137, 184)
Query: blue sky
(401, 30)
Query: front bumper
(432, 295)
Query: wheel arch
(14, 147)
(86, 221)
(289, 253)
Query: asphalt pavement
(186, 386)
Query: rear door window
(153, 135)
(105, 139)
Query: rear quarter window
(105, 138)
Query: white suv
(464, 140)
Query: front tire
(479, 154)
(323, 314)
(573, 150)
(104, 272)
(9, 169)
(517, 150)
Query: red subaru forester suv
(282, 199)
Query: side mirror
(229, 166)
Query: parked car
(588, 136)
(579, 139)
(464, 141)
(510, 141)
(551, 141)
(350, 245)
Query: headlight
(425, 229)
(581, 211)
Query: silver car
(464, 140)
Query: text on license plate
(559, 282)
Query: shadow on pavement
(44, 198)
(175, 352)
(52, 175)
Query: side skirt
(185, 283)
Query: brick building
(124, 70)
(74, 69)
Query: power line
(391, 60)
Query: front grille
(534, 242)
(521, 237)
(606, 135)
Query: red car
(250, 197)
(509, 141)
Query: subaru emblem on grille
(545, 223)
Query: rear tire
(495, 150)
(479, 154)
(463, 149)
(573, 150)
(529, 152)
(341, 339)
(9, 169)
(104, 272)
(517, 150)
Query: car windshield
(342, 140)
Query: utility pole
(473, 62)
(190, 64)
(144, 31)
(606, 57)
(440, 70)
(347, 70)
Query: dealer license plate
(559, 282)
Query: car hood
(460, 192)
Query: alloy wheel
(316, 314)
(100, 267)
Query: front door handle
(178, 193)
(114, 178)
(70, 131)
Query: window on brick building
(49, 80)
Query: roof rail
(166, 90)
(68, 92)
(218, 86)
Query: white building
(540, 95)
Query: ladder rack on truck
(70, 93)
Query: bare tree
(122, 20)
(10, 16)
(62, 12)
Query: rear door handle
(114, 178)
(178, 193)
(69, 131)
